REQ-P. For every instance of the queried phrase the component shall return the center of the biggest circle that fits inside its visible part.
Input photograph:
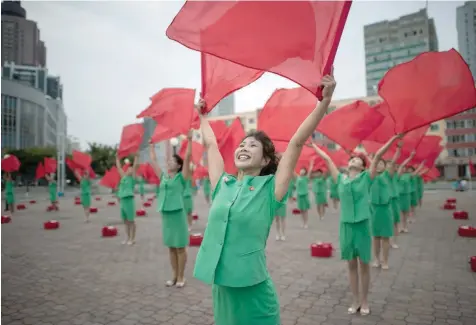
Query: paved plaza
(73, 276)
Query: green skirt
(281, 211)
(334, 194)
(321, 198)
(188, 204)
(414, 199)
(10, 198)
(395, 209)
(86, 200)
(128, 208)
(53, 196)
(141, 190)
(382, 220)
(254, 305)
(355, 241)
(303, 203)
(175, 229)
(404, 202)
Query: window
(331, 146)
(434, 127)
(251, 120)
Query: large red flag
(348, 125)
(431, 87)
(284, 112)
(197, 151)
(150, 175)
(428, 144)
(340, 157)
(50, 165)
(10, 164)
(131, 139)
(82, 159)
(386, 129)
(433, 156)
(431, 175)
(222, 77)
(200, 172)
(219, 128)
(229, 143)
(111, 178)
(295, 39)
(40, 171)
(472, 169)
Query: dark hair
(179, 161)
(361, 157)
(269, 152)
(319, 170)
(411, 167)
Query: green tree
(103, 157)
(30, 157)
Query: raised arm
(153, 160)
(48, 177)
(380, 153)
(406, 161)
(333, 170)
(311, 167)
(305, 130)
(391, 167)
(419, 168)
(135, 164)
(119, 166)
(216, 166)
(78, 174)
(186, 170)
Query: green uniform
(354, 230)
(404, 190)
(126, 198)
(141, 186)
(85, 192)
(206, 187)
(334, 193)
(281, 209)
(52, 188)
(413, 191)
(232, 255)
(302, 192)
(171, 206)
(157, 190)
(188, 197)
(420, 187)
(292, 187)
(395, 199)
(381, 192)
(319, 188)
(9, 192)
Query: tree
(103, 157)
(30, 157)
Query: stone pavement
(73, 276)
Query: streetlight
(174, 142)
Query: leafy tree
(103, 157)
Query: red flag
(197, 151)
(428, 144)
(431, 87)
(222, 77)
(73, 166)
(386, 129)
(150, 175)
(219, 128)
(472, 169)
(289, 105)
(10, 164)
(229, 143)
(433, 156)
(359, 120)
(111, 178)
(91, 172)
(40, 171)
(50, 165)
(340, 157)
(430, 175)
(372, 147)
(82, 159)
(200, 172)
(131, 139)
(295, 39)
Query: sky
(112, 56)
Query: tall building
(389, 43)
(149, 125)
(21, 41)
(466, 27)
(225, 107)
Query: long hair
(179, 161)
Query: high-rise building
(389, 43)
(466, 27)
(225, 107)
(21, 42)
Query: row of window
(460, 124)
(462, 152)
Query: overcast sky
(112, 56)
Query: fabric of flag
(50, 165)
(386, 129)
(431, 87)
(472, 169)
(433, 156)
(219, 128)
(150, 175)
(427, 146)
(10, 164)
(131, 138)
(197, 151)
(340, 157)
(231, 140)
(40, 171)
(200, 172)
(111, 178)
(295, 39)
(82, 159)
(350, 124)
(221, 77)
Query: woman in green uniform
(404, 192)
(395, 195)
(170, 204)
(52, 189)
(206, 188)
(188, 202)
(292, 188)
(355, 234)
(319, 188)
(420, 189)
(302, 193)
(334, 194)
(127, 199)
(232, 255)
(280, 218)
(85, 185)
(9, 194)
(141, 183)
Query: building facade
(389, 43)
(161, 148)
(21, 41)
(466, 28)
(29, 117)
(225, 107)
